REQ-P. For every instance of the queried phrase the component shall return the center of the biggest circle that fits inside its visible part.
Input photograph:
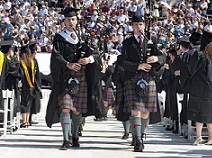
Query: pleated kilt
(76, 102)
(108, 96)
(119, 102)
(135, 102)
(119, 95)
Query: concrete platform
(99, 140)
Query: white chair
(4, 111)
(10, 96)
(18, 120)
(8, 121)
(44, 102)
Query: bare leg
(199, 139)
(145, 115)
(24, 118)
(209, 131)
(199, 130)
(27, 117)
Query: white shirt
(122, 18)
(7, 5)
(138, 39)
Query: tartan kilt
(66, 102)
(122, 112)
(144, 103)
(119, 95)
(108, 96)
(79, 100)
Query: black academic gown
(13, 76)
(200, 94)
(171, 87)
(5, 69)
(36, 103)
(62, 53)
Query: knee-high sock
(65, 123)
(144, 124)
(132, 131)
(76, 120)
(70, 131)
(136, 127)
(126, 125)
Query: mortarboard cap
(24, 48)
(32, 46)
(195, 37)
(184, 41)
(137, 18)
(5, 45)
(206, 38)
(69, 12)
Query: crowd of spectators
(39, 20)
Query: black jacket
(62, 53)
(133, 56)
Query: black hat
(137, 18)
(184, 41)
(206, 38)
(5, 45)
(24, 48)
(172, 51)
(69, 12)
(195, 37)
(32, 46)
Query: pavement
(98, 140)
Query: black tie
(140, 40)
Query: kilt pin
(140, 103)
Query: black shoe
(32, 122)
(24, 125)
(143, 135)
(79, 133)
(104, 118)
(186, 137)
(125, 136)
(98, 119)
(65, 145)
(75, 142)
(139, 146)
(169, 128)
(133, 141)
